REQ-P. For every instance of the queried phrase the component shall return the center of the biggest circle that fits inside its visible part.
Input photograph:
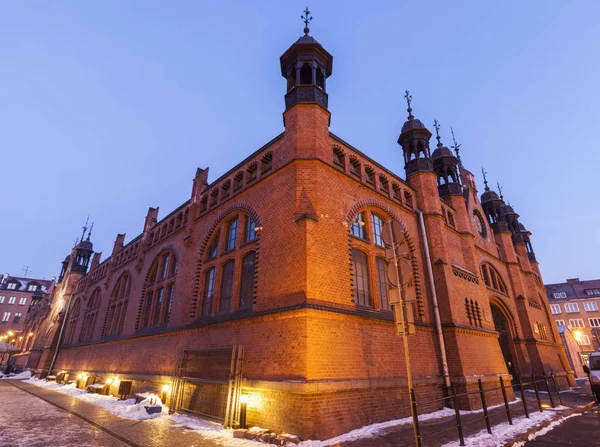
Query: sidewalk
(581, 430)
(159, 432)
(402, 435)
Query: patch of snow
(20, 376)
(546, 429)
(503, 433)
(211, 430)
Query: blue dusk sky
(108, 107)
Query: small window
(560, 323)
(590, 306)
(594, 322)
(251, 172)
(451, 220)
(238, 180)
(225, 188)
(247, 285)
(397, 192)
(266, 162)
(377, 229)
(358, 227)
(408, 200)
(165, 265)
(479, 224)
(577, 322)
(22, 301)
(555, 308)
(559, 295)
(370, 174)
(384, 184)
(11, 286)
(214, 197)
(571, 308)
(339, 157)
(17, 317)
(584, 340)
(6, 316)
(12, 300)
(354, 165)
(32, 288)
(231, 235)
(2, 298)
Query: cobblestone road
(26, 420)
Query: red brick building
(16, 296)
(283, 255)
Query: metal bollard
(549, 393)
(522, 389)
(415, 416)
(506, 406)
(537, 393)
(553, 377)
(458, 421)
(484, 405)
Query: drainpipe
(62, 328)
(436, 309)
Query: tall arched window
(492, 278)
(382, 283)
(159, 290)
(117, 307)
(230, 266)
(91, 312)
(247, 283)
(362, 290)
(72, 322)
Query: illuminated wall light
(79, 376)
(109, 380)
(30, 334)
(11, 333)
(166, 388)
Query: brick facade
(321, 352)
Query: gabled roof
(574, 289)
(23, 283)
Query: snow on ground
(546, 429)
(375, 430)
(503, 433)
(130, 410)
(20, 376)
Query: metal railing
(452, 399)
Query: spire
(90, 232)
(484, 172)
(436, 124)
(500, 190)
(306, 18)
(456, 147)
(408, 98)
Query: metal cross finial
(500, 189)
(484, 172)
(85, 227)
(436, 124)
(306, 18)
(456, 147)
(408, 98)
(90, 232)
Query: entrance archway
(504, 326)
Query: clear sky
(107, 108)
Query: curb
(523, 437)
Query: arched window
(229, 267)
(492, 278)
(159, 290)
(362, 290)
(91, 312)
(117, 307)
(382, 283)
(72, 322)
(247, 285)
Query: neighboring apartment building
(283, 255)
(16, 295)
(576, 304)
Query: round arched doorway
(503, 326)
